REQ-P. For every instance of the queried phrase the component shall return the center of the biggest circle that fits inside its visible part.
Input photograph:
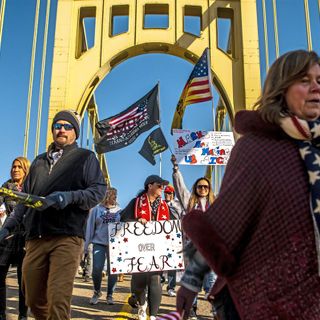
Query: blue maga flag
(154, 144)
(123, 129)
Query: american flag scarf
(170, 316)
(307, 135)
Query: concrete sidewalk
(81, 309)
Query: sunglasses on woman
(202, 186)
(67, 126)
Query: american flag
(170, 316)
(197, 89)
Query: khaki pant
(48, 272)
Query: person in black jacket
(12, 252)
(71, 181)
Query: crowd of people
(254, 247)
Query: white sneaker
(153, 318)
(142, 312)
(95, 297)
(171, 293)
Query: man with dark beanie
(71, 181)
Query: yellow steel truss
(77, 71)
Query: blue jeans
(172, 279)
(208, 281)
(100, 253)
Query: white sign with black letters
(154, 246)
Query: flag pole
(216, 184)
(210, 80)
(160, 158)
(160, 165)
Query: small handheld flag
(170, 316)
(26, 199)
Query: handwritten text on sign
(154, 246)
(199, 147)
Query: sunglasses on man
(67, 126)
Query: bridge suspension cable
(2, 11)
(43, 68)
(275, 27)
(308, 28)
(265, 29)
(34, 47)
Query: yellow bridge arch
(77, 70)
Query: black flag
(122, 129)
(154, 144)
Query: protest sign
(200, 147)
(154, 246)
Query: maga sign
(201, 147)
(154, 246)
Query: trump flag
(123, 129)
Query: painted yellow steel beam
(77, 72)
(2, 14)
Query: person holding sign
(262, 232)
(12, 251)
(148, 206)
(98, 234)
(200, 198)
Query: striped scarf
(307, 135)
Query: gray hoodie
(97, 224)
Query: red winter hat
(169, 189)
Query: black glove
(60, 199)
(4, 232)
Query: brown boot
(120, 277)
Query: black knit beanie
(70, 116)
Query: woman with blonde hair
(12, 250)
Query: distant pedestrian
(177, 212)
(12, 251)
(71, 181)
(98, 234)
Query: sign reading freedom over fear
(154, 246)
(200, 147)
